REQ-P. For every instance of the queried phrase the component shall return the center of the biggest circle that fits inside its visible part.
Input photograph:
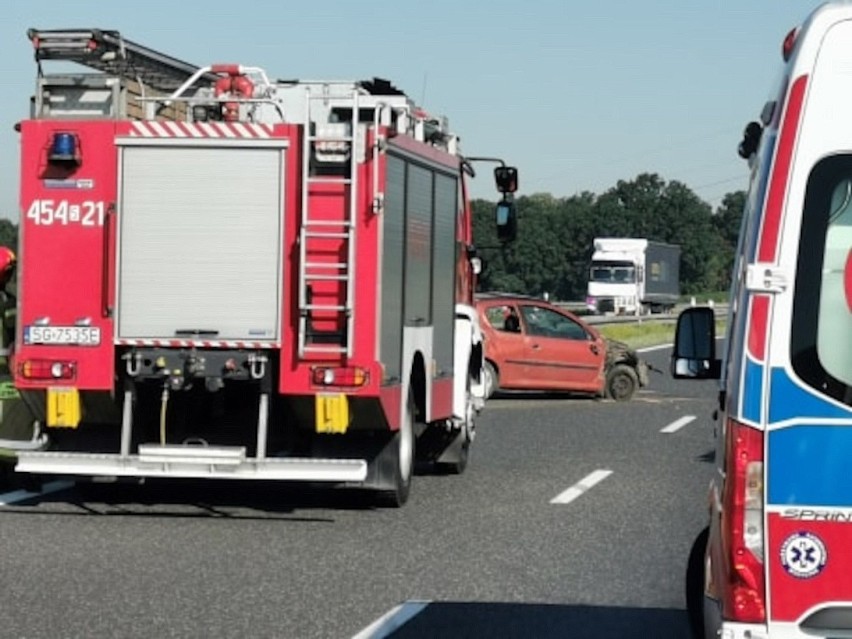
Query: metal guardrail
(580, 307)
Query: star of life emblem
(803, 555)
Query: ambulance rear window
(821, 344)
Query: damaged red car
(531, 344)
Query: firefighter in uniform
(16, 422)
(7, 308)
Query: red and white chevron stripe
(223, 130)
(191, 343)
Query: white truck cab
(776, 558)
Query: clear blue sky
(577, 94)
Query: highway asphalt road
(574, 519)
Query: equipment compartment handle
(106, 273)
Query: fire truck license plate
(82, 335)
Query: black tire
(621, 383)
(490, 379)
(695, 585)
(399, 456)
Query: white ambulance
(776, 558)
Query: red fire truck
(225, 276)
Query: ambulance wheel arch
(694, 585)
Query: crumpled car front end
(620, 353)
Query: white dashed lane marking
(678, 424)
(590, 480)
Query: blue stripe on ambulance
(752, 390)
(797, 447)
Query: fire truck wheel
(621, 383)
(399, 461)
(490, 379)
(695, 585)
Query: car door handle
(536, 347)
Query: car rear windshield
(821, 341)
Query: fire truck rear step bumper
(205, 462)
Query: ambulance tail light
(47, 369)
(742, 525)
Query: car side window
(543, 322)
(503, 318)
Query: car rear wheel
(490, 379)
(621, 383)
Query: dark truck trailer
(662, 275)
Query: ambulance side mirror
(507, 220)
(506, 179)
(750, 141)
(694, 354)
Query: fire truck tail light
(742, 496)
(37, 369)
(340, 376)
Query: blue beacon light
(63, 148)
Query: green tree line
(553, 249)
(554, 245)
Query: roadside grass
(647, 332)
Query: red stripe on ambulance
(768, 247)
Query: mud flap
(383, 463)
(445, 449)
(16, 422)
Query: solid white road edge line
(581, 486)
(678, 424)
(659, 347)
(392, 620)
(22, 495)
(650, 349)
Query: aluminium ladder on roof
(109, 52)
(314, 228)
